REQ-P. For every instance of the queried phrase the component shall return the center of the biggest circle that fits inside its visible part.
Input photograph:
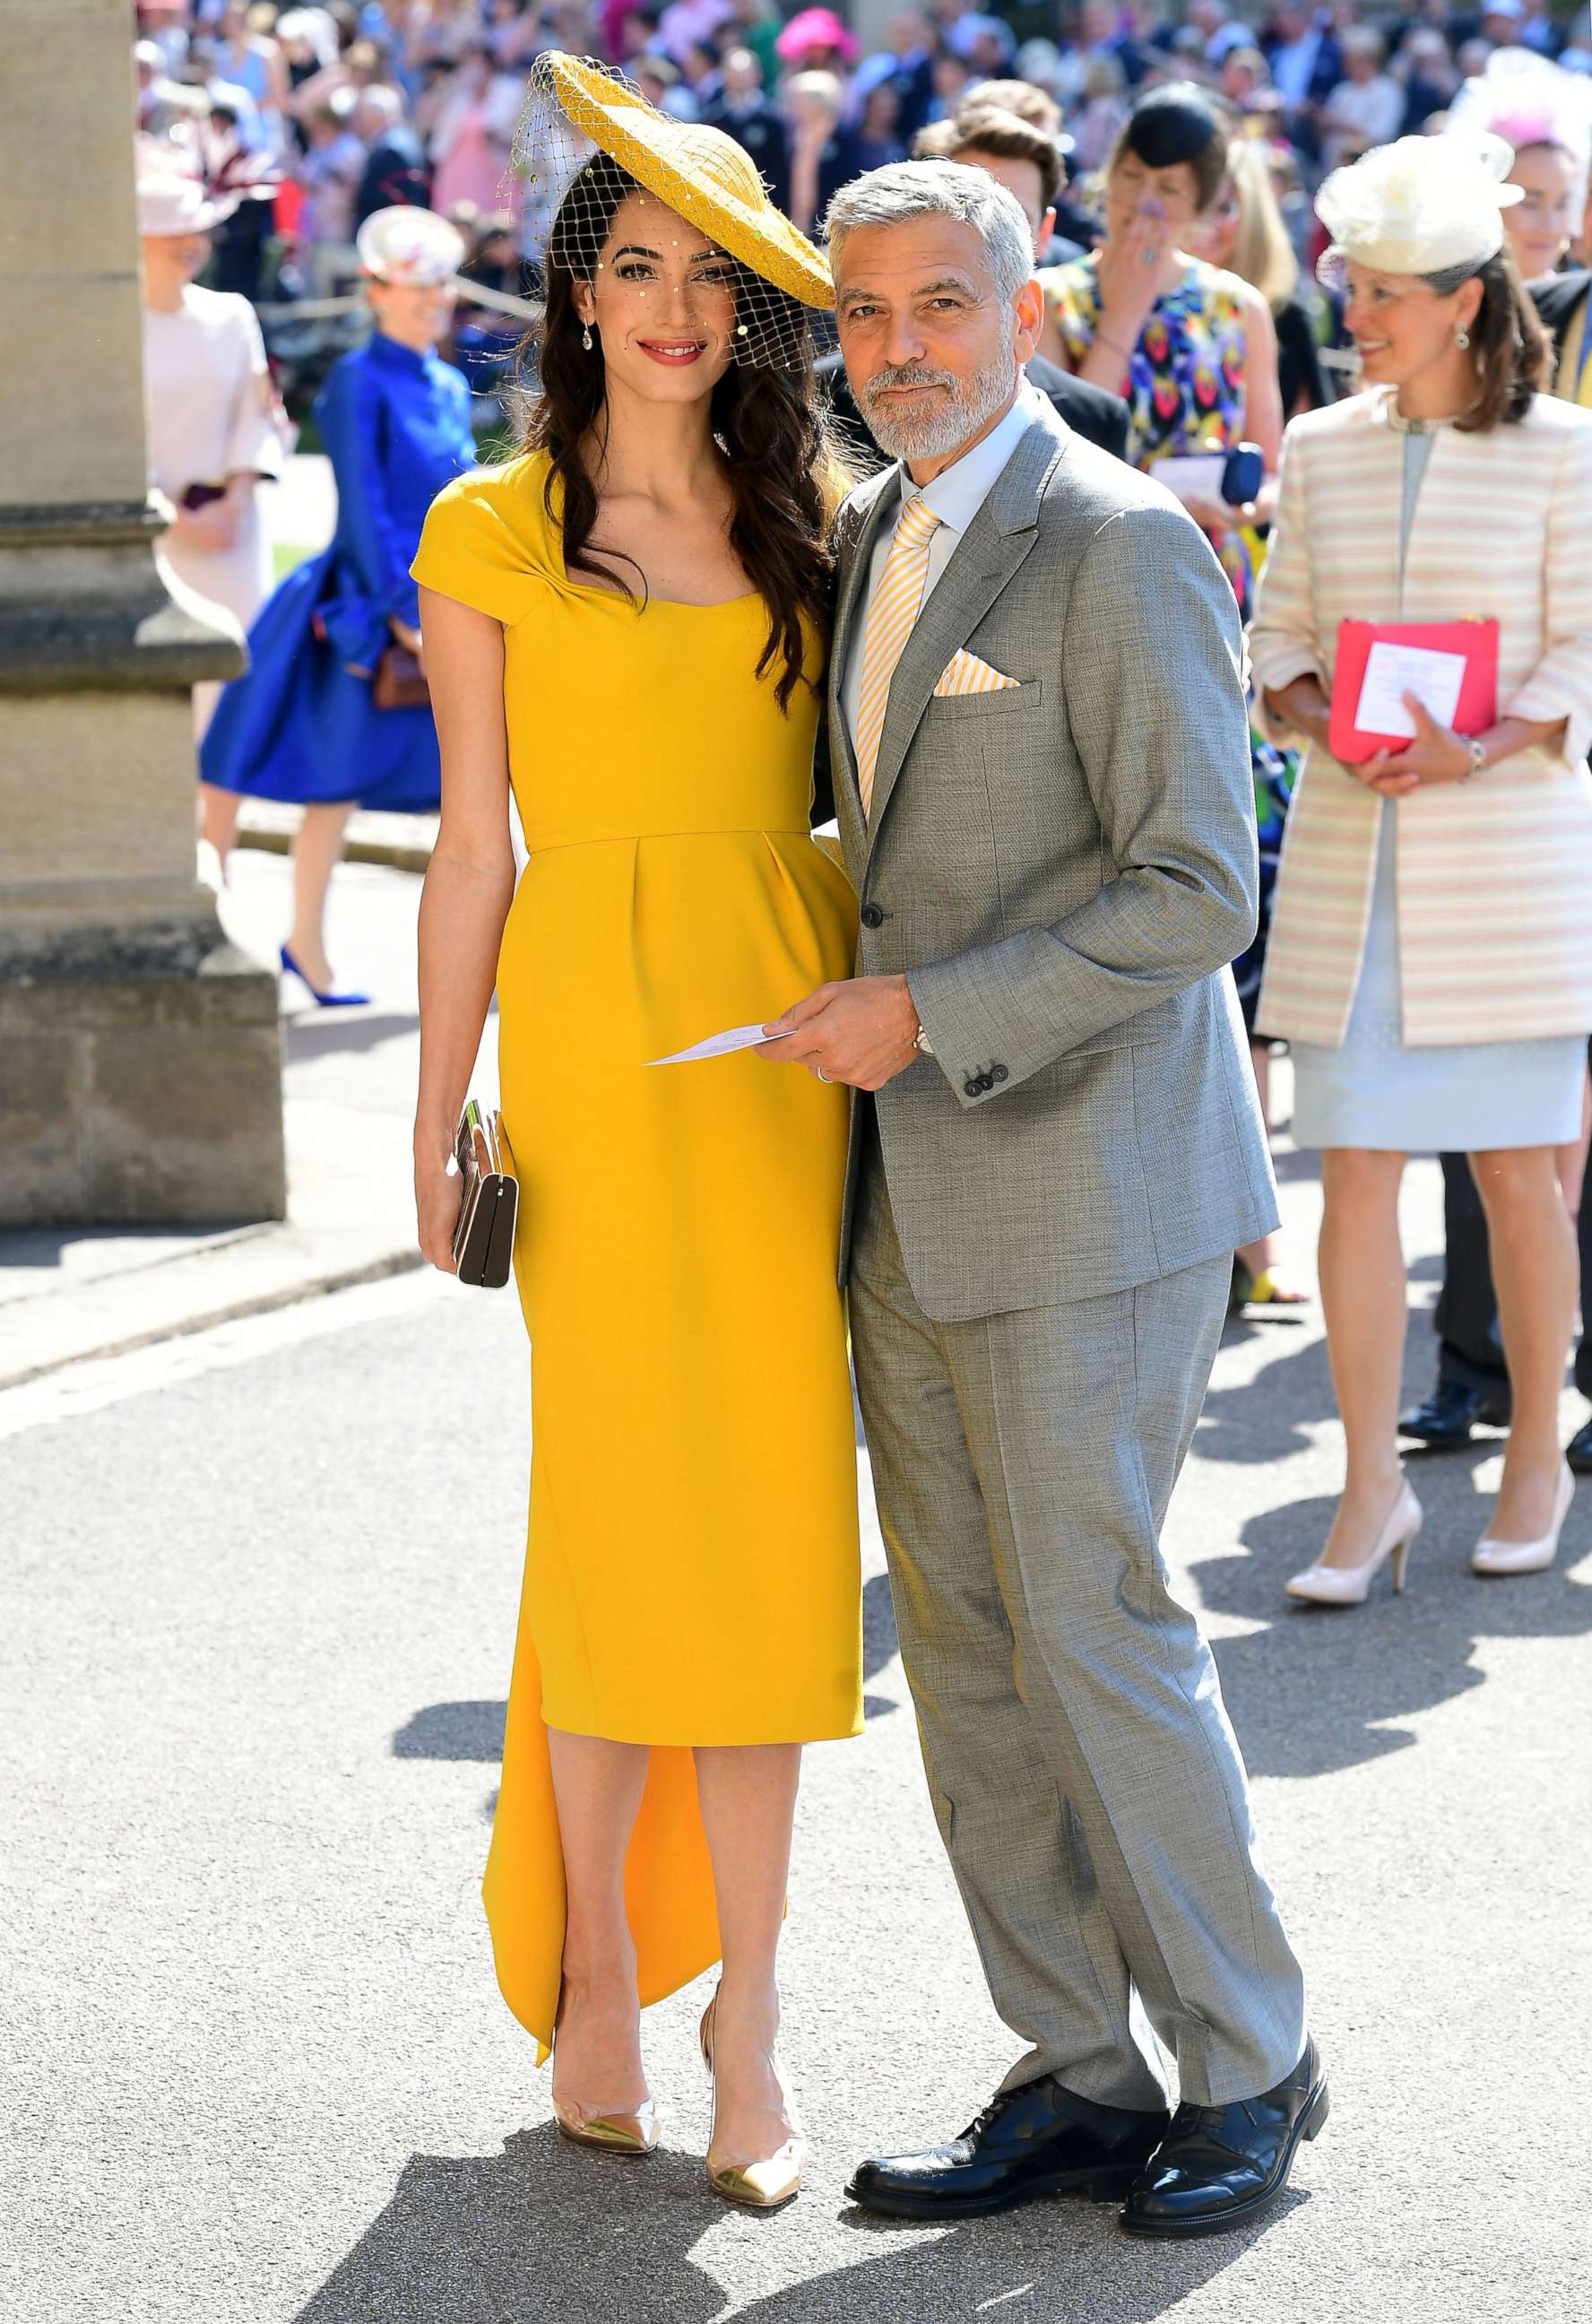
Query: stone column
(140, 1051)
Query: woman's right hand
(1303, 705)
(437, 1194)
(1128, 265)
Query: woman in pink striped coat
(1431, 955)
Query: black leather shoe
(1579, 1451)
(1444, 1422)
(1222, 2166)
(1038, 2140)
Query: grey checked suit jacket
(1063, 870)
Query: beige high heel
(1496, 1557)
(765, 2184)
(1350, 1585)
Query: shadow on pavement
(453, 1731)
(541, 2234)
(1313, 1690)
(314, 1034)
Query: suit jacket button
(999, 1074)
(972, 1086)
(871, 917)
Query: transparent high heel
(766, 2184)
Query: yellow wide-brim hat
(699, 173)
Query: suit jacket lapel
(983, 561)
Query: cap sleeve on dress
(469, 551)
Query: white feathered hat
(1420, 206)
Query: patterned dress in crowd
(1185, 393)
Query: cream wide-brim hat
(1420, 206)
(700, 174)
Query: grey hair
(913, 189)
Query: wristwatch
(921, 1042)
(1476, 752)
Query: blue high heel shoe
(324, 1000)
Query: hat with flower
(407, 246)
(1420, 206)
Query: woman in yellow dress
(627, 626)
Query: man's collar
(958, 493)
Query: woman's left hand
(1436, 755)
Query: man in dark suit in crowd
(743, 110)
(1564, 304)
(396, 171)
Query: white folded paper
(1392, 671)
(1199, 473)
(720, 1045)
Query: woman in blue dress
(302, 723)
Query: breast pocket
(1003, 702)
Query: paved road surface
(258, 1589)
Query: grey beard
(930, 435)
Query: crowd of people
(783, 517)
(328, 113)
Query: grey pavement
(257, 1594)
(348, 1098)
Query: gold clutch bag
(483, 1238)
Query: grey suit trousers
(1085, 1777)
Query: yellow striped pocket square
(964, 673)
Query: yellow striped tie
(890, 617)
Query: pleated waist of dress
(631, 838)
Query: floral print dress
(1185, 393)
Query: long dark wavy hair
(1510, 347)
(785, 475)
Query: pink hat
(816, 28)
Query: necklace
(1402, 426)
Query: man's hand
(862, 1032)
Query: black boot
(1038, 2140)
(1222, 2166)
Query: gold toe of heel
(628, 2134)
(765, 2185)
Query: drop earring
(586, 339)
(1462, 338)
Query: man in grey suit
(1040, 762)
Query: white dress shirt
(956, 495)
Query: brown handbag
(488, 1201)
(399, 682)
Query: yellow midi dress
(692, 1569)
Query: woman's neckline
(600, 589)
(676, 604)
(1403, 425)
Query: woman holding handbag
(333, 711)
(1430, 964)
(626, 627)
